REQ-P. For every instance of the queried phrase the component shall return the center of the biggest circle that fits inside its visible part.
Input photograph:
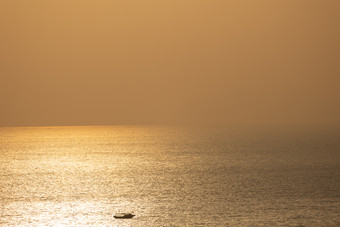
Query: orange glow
(148, 62)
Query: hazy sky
(81, 62)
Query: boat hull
(123, 216)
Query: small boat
(124, 215)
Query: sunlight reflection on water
(166, 176)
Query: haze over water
(168, 176)
(260, 64)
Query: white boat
(124, 215)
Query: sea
(169, 176)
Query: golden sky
(82, 62)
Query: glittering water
(168, 177)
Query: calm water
(168, 177)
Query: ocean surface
(169, 176)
